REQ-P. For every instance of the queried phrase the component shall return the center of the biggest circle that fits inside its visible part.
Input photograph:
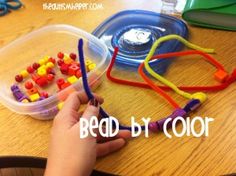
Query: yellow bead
(42, 72)
(91, 67)
(24, 73)
(34, 97)
(42, 61)
(49, 65)
(67, 59)
(25, 101)
(88, 62)
(60, 105)
(46, 58)
(42, 67)
(200, 96)
(72, 79)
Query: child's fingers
(125, 134)
(109, 147)
(91, 110)
(75, 99)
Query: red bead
(73, 56)
(30, 69)
(50, 71)
(60, 62)
(60, 55)
(50, 77)
(29, 85)
(36, 66)
(44, 94)
(60, 82)
(52, 60)
(73, 69)
(19, 78)
(42, 81)
(78, 74)
(35, 77)
(64, 69)
(65, 85)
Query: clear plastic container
(30, 48)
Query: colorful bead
(78, 74)
(42, 81)
(35, 77)
(73, 69)
(153, 127)
(34, 97)
(42, 72)
(46, 58)
(73, 56)
(50, 77)
(42, 61)
(65, 85)
(32, 91)
(64, 69)
(67, 59)
(60, 82)
(24, 73)
(19, 78)
(60, 55)
(91, 67)
(60, 105)
(50, 71)
(221, 76)
(60, 62)
(29, 85)
(36, 66)
(17, 93)
(49, 65)
(25, 101)
(88, 62)
(72, 79)
(42, 67)
(30, 69)
(52, 60)
(44, 94)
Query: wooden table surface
(156, 155)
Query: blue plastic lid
(134, 32)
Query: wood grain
(21, 172)
(157, 155)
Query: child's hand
(69, 154)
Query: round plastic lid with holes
(134, 32)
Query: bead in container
(18, 94)
(29, 85)
(34, 97)
(19, 78)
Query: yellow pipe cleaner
(199, 95)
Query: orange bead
(32, 91)
(221, 75)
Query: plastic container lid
(134, 32)
(47, 41)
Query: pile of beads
(41, 74)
